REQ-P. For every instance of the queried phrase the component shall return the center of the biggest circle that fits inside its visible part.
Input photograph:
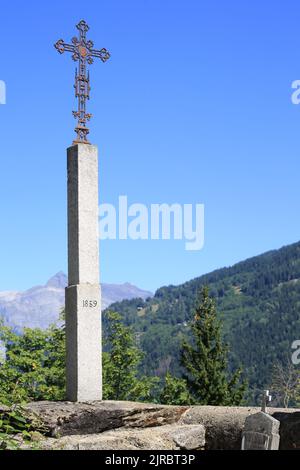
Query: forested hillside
(258, 301)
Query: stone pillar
(83, 298)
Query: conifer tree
(205, 359)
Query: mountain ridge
(258, 301)
(41, 305)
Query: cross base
(76, 142)
(82, 133)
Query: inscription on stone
(89, 303)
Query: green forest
(258, 302)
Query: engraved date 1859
(89, 303)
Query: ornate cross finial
(82, 51)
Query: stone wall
(111, 425)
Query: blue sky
(193, 107)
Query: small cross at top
(266, 398)
(82, 51)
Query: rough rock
(159, 438)
(66, 418)
(128, 425)
(289, 430)
(224, 425)
(189, 437)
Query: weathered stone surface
(83, 236)
(154, 417)
(107, 421)
(261, 432)
(83, 340)
(67, 418)
(189, 437)
(167, 437)
(289, 429)
(259, 441)
(83, 298)
(263, 423)
(224, 425)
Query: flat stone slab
(168, 437)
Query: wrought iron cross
(82, 51)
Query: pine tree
(205, 359)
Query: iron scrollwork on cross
(82, 51)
